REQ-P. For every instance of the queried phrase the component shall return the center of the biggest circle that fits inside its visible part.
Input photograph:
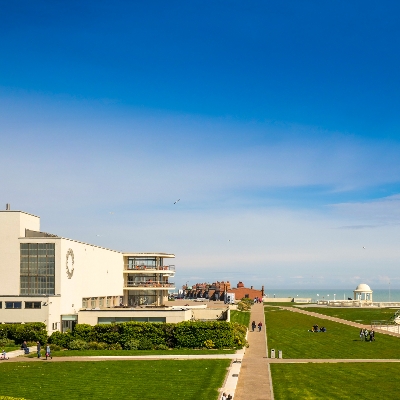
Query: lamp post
(328, 298)
(317, 297)
(334, 296)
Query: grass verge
(161, 379)
(334, 381)
(288, 331)
(360, 315)
(90, 353)
(241, 317)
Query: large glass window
(142, 263)
(37, 268)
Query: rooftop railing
(129, 267)
(150, 284)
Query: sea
(392, 295)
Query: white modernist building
(51, 279)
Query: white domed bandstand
(363, 292)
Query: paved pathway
(254, 378)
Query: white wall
(12, 226)
(97, 272)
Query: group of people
(257, 300)
(316, 328)
(253, 326)
(25, 347)
(367, 336)
(226, 397)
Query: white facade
(46, 278)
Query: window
(85, 303)
(108, 301)
(33, 304)
(1, 304)
(54, 326)
(93, 302)
(101, 302)
(37, 268)
(13, 304)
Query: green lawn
(242, 317)
(286, 304)
(83, 353)
(288, 331)
(166, 380)
(361, 315)
(335, 381)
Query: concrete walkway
(254, 379)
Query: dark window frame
(14, 303)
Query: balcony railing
(150, 284)
(149, 268)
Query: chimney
(8, 208)
(251, 287)
(262, 290)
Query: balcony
(165, 269)
(149, 285)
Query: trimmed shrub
(145, 344)
(84, 332)
(161, 347)
(193, 334)
(114, 346)
(61, 339)
(209, 344)
(131, 344)
(78, 344)
(31, 332)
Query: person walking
(48, 352)
(38, 348)
(259, 326)
(361, 334)
(253, 325)
(372, 336)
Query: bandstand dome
(363, 292)
(363, 287)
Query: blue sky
(275, 123)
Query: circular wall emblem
(70, 263)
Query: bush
(54, 347)
(33, 332)
(131, 344)
(84, 332)
(114, 346)
(209, 344)
(161, 347)
(4, 342)
(61, 339)
(78, 344)
(244, 306)
(145, 344)
(193, 334)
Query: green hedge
(31, 332)
(145, 335)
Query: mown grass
(241, 317)
(283, 304)
(90, 353)
(288, 331)
(161, 379)
(360, 315)
(335, 381)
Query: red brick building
(217, 290)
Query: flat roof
(163, 255)
(23, 212)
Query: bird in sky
(363, 247)
(176, 201)
(98, 235)
(111, 212)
